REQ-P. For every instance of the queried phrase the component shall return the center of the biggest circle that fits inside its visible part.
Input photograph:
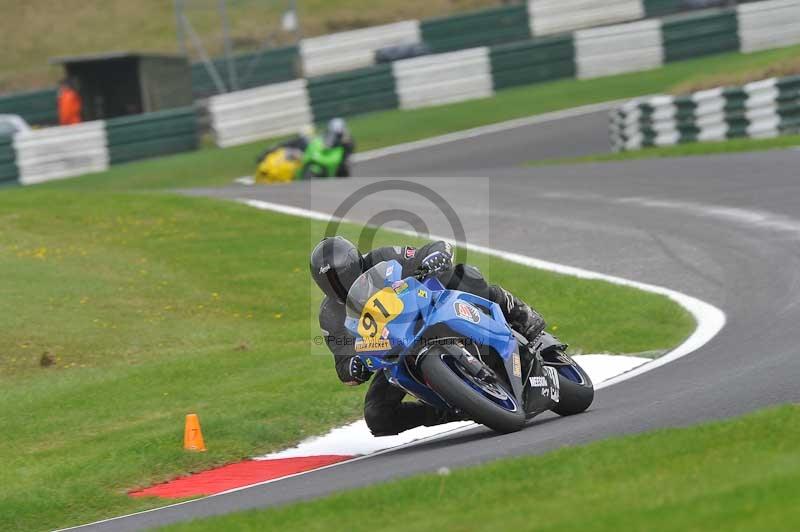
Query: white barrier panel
(665, 124)
(354, 49)
(624, 131)
(632, 47)
(443, 78)
(557, 16)
(773, 24)
(761, 108)
(59, 152)
(709, 114)
(260, 113)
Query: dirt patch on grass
(783, 68)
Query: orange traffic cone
(192, 435)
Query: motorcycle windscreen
(373, 302)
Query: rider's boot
(521, 316)
(436, 416)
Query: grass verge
(683, 150)
(216, 166)
(89, 26)
(736, 475)
(131, 310)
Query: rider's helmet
(337, 129)
(335, 265)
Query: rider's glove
(436, 262)
(358, 371)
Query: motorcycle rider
(300, 143)
(335, 265)
(338, 135)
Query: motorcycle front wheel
(489, 404)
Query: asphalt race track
(720, 228)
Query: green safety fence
(8, 168)
(532, 61)
(789, 105)
(152, 134)
(699, 34)
(479, 28)
(36, 107)
(685, 120)
(252, 70)
(355, 92)
(735, 111)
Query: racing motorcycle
(279, 165)
(319, 160)
(454, 350)
(286, 163)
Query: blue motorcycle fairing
(424, 306)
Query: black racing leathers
(384, 409)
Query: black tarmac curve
(725, 229)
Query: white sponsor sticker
(554, 384)
(538, 382)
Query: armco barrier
(36, 107)
(770, 24)
(354, 49)
(443, 78)
(58, 152)
(252, 70)
(478, 28)
(631, 47)
(152, 134)
(8, 168)
(761, 109)
(523, 63)
(699, 34)
(259, 113)
(558, 16)
(350, 93)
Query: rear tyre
(442, 373)
(576, 391)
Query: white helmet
(337, 129)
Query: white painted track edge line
(484, 130)
(264, 482)
(710, 320)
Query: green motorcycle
(320, 161)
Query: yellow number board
(381, 308)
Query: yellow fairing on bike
(279, 166)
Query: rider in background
(335, 265)
(300, 142)
(338, 135)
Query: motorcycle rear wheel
(445, 380)
(576, 390)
